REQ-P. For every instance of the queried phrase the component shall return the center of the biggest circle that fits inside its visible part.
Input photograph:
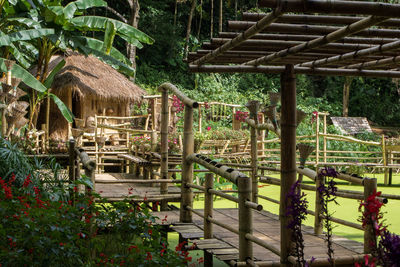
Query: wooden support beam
(336, 7)
(288, 155)
(311, 29)
(375, 63)
(164, 144)
(302, 37)
(352, 55)
(298, 70)
(259, 26)
(318, 42)
(317, 19)
(253, 107)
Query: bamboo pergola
(305, 37)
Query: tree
(189, 26)
(69, 27)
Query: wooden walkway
(142, 191)
(266, 227)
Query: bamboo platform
(225, 244)
(107, 186)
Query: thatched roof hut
(89, 87)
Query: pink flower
(208, 128)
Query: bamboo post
(385, 161)
(325, 137)
(72, 166)
(253, 107)
(317, 142)
(45, 140)
(153, 114)
(208, 212)
(233, 118)
(96, 146)
(288, 155)
(245, 218)
(318, 221)
(262, 135)
(370, 186)
(164, 145)
(200, 119)
(187, 166)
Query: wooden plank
(220, 245)
(223, 251)
(228, 257)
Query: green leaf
(63, 108)
(85, 4)
(25, 76)
(49, 80)
(24, 35)
(129, 33)
(26, 22)
(69, 10)
(121, 67)
(109, 37)
(20, 57)
(98, 45)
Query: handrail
(186, 100)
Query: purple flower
(389, 247)
(297, 211)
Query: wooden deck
(119, 191)
(225, 244)
(266, 227)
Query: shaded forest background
(166, 21)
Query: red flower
(27, 181)
(62, 244)
(208, 128)
(149, 257)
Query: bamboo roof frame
(362, 40)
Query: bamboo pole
(300, 37)
(325, 132)
(370, 186)
(245, 218)
(352, 55)
(185, 215)
(164, 144)
(253, 107)
(153, 114)
(298, 70)
(72, 165)
(208, 212)
(288, 154)
(318, 220)
(336, 7)
(319, 19)
(263, 23)
(374, 63)
(385, 161)
(317, 141)
(318, 42)
(200, 119)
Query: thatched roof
(90, 76)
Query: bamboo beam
(288, 154)
(374, 63)
(336, 7)
(290, 43)
(302, 37)
(370, 186)
(217, 168)
(352, 55)
(263, 244)
(298, 70)
(259, 26)
(245, 218)
(318, 42)
(186, 100)
(311, 29)
(318, 19)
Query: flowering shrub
(328, 194)
(297, 210)
(177, 104)
(40, 231)
(144, 143)
(241, 115)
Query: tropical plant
(67, 32)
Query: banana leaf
(63, 108)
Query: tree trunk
(200, 19)
(236, 9)
(220, 15)
(175, 14)
(212, 19)
(189, 26)
(133, 21)
(346, 96)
